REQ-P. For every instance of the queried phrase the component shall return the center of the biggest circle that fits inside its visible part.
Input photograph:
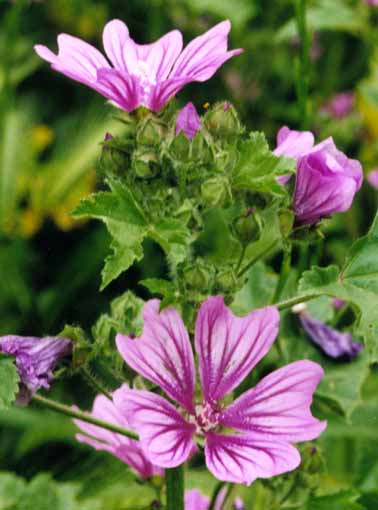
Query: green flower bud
(151, 131)
(248, 227)
(179, 147)
(222, 120)
(226, 280)
(200, 276)
(216, 192)
(145, 163)
(286, 219)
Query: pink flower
(261, 424)
(340, 105)
(188, 121)
(372, 178)
(140, 75)
(326, 179)
(373, 3)
(125, 449)
(195, 500)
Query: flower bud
(145, 163)
(248, 227)
(188, 121)
(199, 276)
(179, 148)
(226, 280)
(150, 131)
(222, 120)
(216, 192)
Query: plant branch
(257, 258)
(288, 303)
(80, 415)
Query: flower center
(206, 418)
(146, 81)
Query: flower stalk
(174, 478)
(73, 413)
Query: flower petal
(165, 436)
(194, 500)
(188, 121)
(76, 59)
(114, 38)
(120, 89)
(279, 406)
(205, 54)
(242, 459)
(162, 92)
(228, 346)
(293, 144)
(163, 353)
(126, 449)
(161, 55)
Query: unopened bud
(150, 131)
(248, 227)
(145, 164)
(222, 120)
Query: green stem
(257, 258)
(174, 479)
(288, 303)
(80, 415)
(284, 274)
(303, 69)
(241, 258)
(95, 384)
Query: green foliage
(345, 500)
(9, 380)
(357, 283)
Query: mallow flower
(372, 178)
(340, 105)
(126, 449)
(246, 439)
(36, 359)
(134, 74)
(332, 342)
(326, 179)
(195, 500)
(188, 121)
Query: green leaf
(45, 494)
(357, 283)
(257, 167)
(11, 490)
(173, 236)
(9, 380)
(163, 288)
(343, 500)
(125, 221)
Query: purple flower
(334, 343)
(195, 500)
(36, 359)
(373, 3)
(340, 105)
(326, 179)
(249, 439)
(372, 178)
(188, 121)
(126, 449)
(338, 303)
(140, 75)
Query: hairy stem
(80, 415)
(288, 303)
(97, 386)
(174, 479)
(284, 274)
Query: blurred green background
(50, 134)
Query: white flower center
(206, 418)
(146, 81)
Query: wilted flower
(195, 500)
(334, 343)
(340, 105)
(36, 359)
(188, 121)
(372, 178)
(326, 179)
(140, 75)
(126, 449)
(260, 424)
